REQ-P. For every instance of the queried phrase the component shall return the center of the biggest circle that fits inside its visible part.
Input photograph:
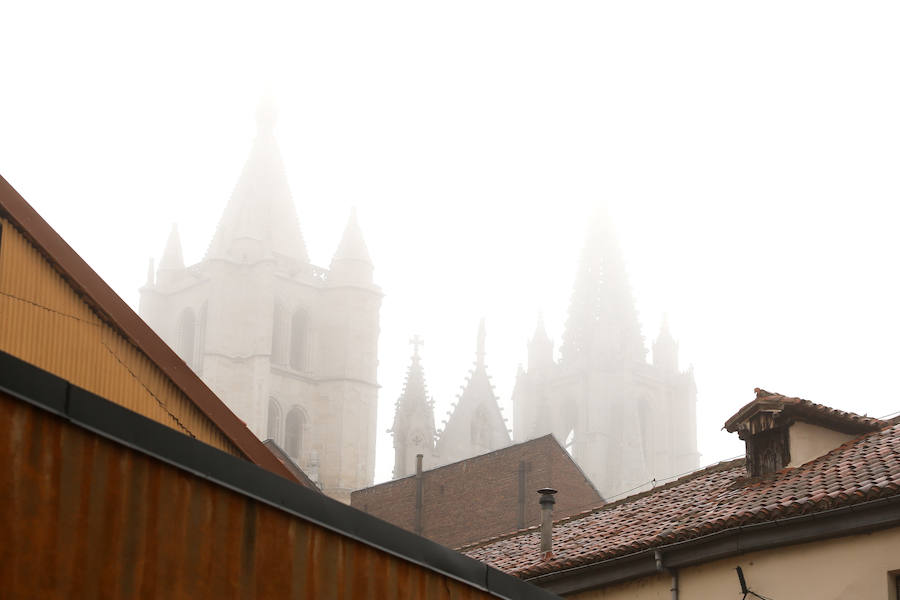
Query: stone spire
(413, 428)
(151, 274)
(351, 261)
(479, 349)
(540, 348)
(172, 258)
(476, 425)
(665, 349)
(171, 265)
(260, 219)
(602, 325)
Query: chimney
(418, 524)
(547, 501)
(784, 432)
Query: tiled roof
(714, 499)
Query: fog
(748, 155)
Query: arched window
(293, 432)
(480, 430)
(273, 424)
(299, 339)
(279, 335)
(184, 345)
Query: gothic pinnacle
(479, 352)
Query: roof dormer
(784, 432)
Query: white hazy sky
(748, 153)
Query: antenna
(743, 583)
(744, 589)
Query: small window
(294, 425)
(273, 426)
(299, 340)
(480, 430)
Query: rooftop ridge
(713, 468)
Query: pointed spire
(413, 429)
(351, 261)
(479, 352)
(665, 348)
(476, 424)
(172, 257)
(602, 324)
(151, 272)
(352, 245)
(260, 215)
(540, 348)
(540, 330)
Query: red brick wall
(478, 498)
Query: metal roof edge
(864, 517)
(114, 422)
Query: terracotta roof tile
(713, 499)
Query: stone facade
(290, 347)
(625, 420)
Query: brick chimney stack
(547, 501)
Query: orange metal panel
(45, 322)
(85, 517)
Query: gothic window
(480, 430)
(187, 325)
(273, 425)
(293, 432)
(279, 335)
(299, 339)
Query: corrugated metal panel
(47, 323)
(86, 517)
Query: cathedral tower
(626, 421)
(290, 347)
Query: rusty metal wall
(84, 517)
(45, 322)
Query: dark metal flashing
(109, 420)
(293, 467)
(849, 520)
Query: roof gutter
(848, 520)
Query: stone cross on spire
(416, 342)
